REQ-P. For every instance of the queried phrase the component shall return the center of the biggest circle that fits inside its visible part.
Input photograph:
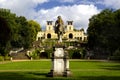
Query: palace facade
(70, 33)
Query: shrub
(117, 53)
(77, 54)
(83, 52)
(48, 52)
(6, 58)
(33, 54)
(70, 53)
(1, 58)
(74, 53)
(116, 58)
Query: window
(70, 23)
(70, 35)
(49, 22)
(49, 27)
(49, 35)
(70, 28)
(39, 38)
(81, 38)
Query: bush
(7, 58)
(70, 53)
(1, 58)
(48, 52)
(74, 53)
(33, 54)
(116, 58)
(117, 53)
(83, 52)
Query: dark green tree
(7, 30)
(16, 31)
(34, 28)
(103, 31)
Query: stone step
(19, 55)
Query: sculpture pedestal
(60, 63)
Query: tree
(7, 22)
(35, 27)
(103, 31)
(16, 31)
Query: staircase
(20, 55)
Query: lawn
(81, 69)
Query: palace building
(70, 32)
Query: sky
(78, 11)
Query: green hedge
(73, 53)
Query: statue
(60, 62)
(59, 28)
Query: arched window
(70, 35)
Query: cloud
(80, 14)
(68, 1)
(21, 7)
(86, 2)
(40, 1)
(115, 4)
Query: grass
(82, 70)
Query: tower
(49, 26)
(69, 26)
(69, 30)
(50, 33)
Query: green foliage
(7, 58)
(103, 31)
(34, 28)
(114, 58)
(117, 52)
(116, 55)
(34, 54)
(83, 52)
(16, 31)
(48, 52)
(1, 58)
(8, 28)
(75, 53)
(48, 43)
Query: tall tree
(35, 27)
(7, 29)
(16, 31)
(103, 31)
